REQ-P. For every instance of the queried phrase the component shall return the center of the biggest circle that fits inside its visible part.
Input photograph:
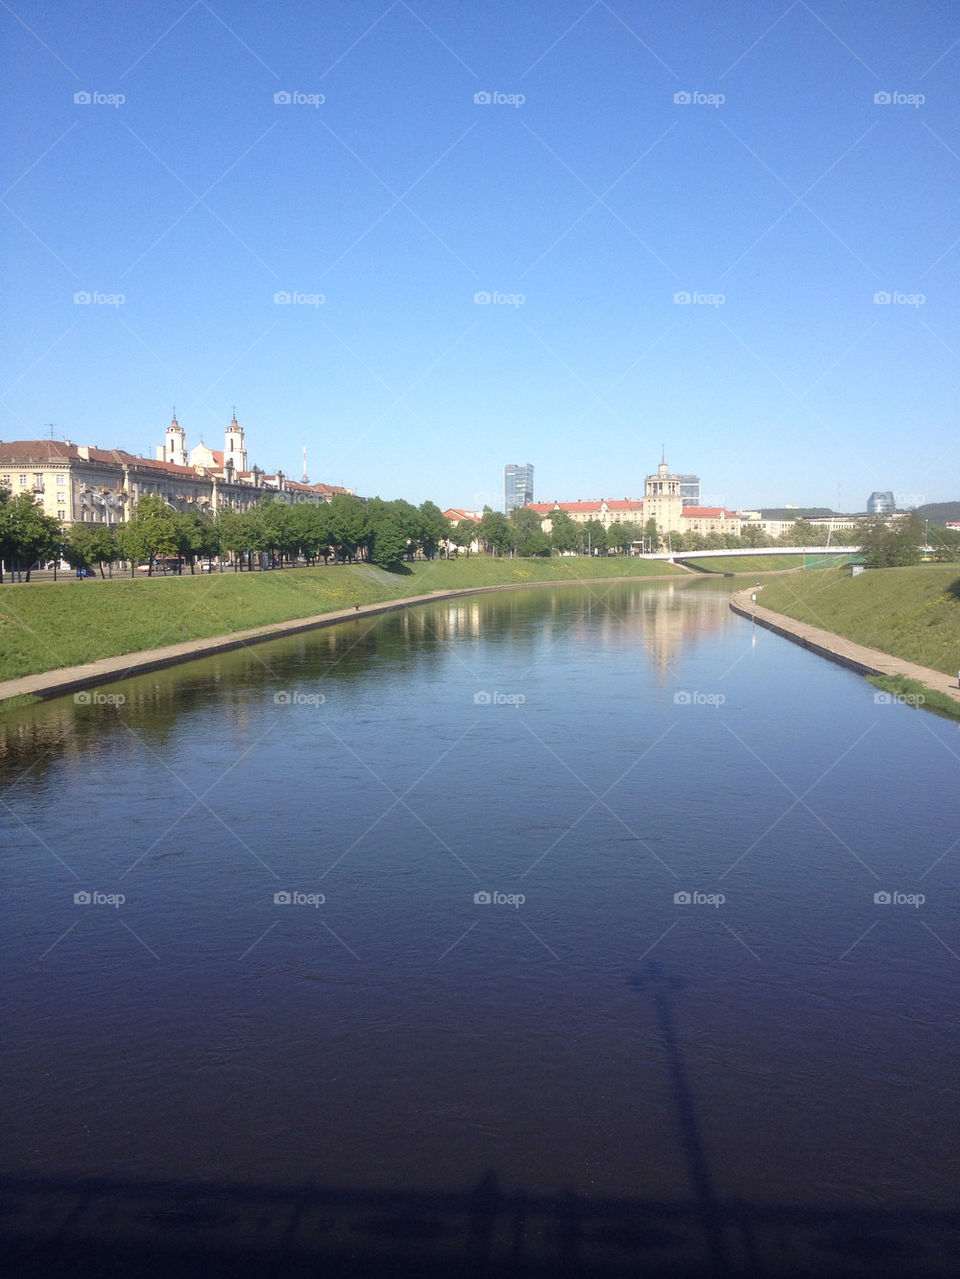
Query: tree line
(387, 533)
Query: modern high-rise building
(690, 489)
(517, 486)
(881, 503)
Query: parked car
(207, 566)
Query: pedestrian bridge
(820, 552)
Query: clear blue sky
(598, 198)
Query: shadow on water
(62, 1228)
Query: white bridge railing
(760, 550)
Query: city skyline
(416, 239)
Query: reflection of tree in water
(237, 683)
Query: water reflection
(658, 618)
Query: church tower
(234, 448)
(175, 444)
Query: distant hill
(940, 512)
(789, 513)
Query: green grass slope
(46, 626)
(912, 613)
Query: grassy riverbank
(744, 563)
(49, 626)
(761, 563)
(913, 613)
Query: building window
(61, 479)
(23, 479)
(5, 479)
(61, 497)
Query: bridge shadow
(109, 1228)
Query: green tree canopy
(27, 534)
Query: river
(576, 886)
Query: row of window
(37, 479)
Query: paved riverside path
(105, 670)
(868, 661)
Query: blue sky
(781, 198)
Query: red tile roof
(709, 512)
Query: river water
(578, 758)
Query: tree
(529, 537)
(89, 544)
(566, 534)
(651, 534)
(434, 529)
(622, 536)
(390, 542)
(463, 534)
(151, 532)
(891, 545)
(594, 536)
(752, 535)
(496, 532)
(347, 525)
(27, 534)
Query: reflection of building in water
(662, 619)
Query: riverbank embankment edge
(845, 652)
